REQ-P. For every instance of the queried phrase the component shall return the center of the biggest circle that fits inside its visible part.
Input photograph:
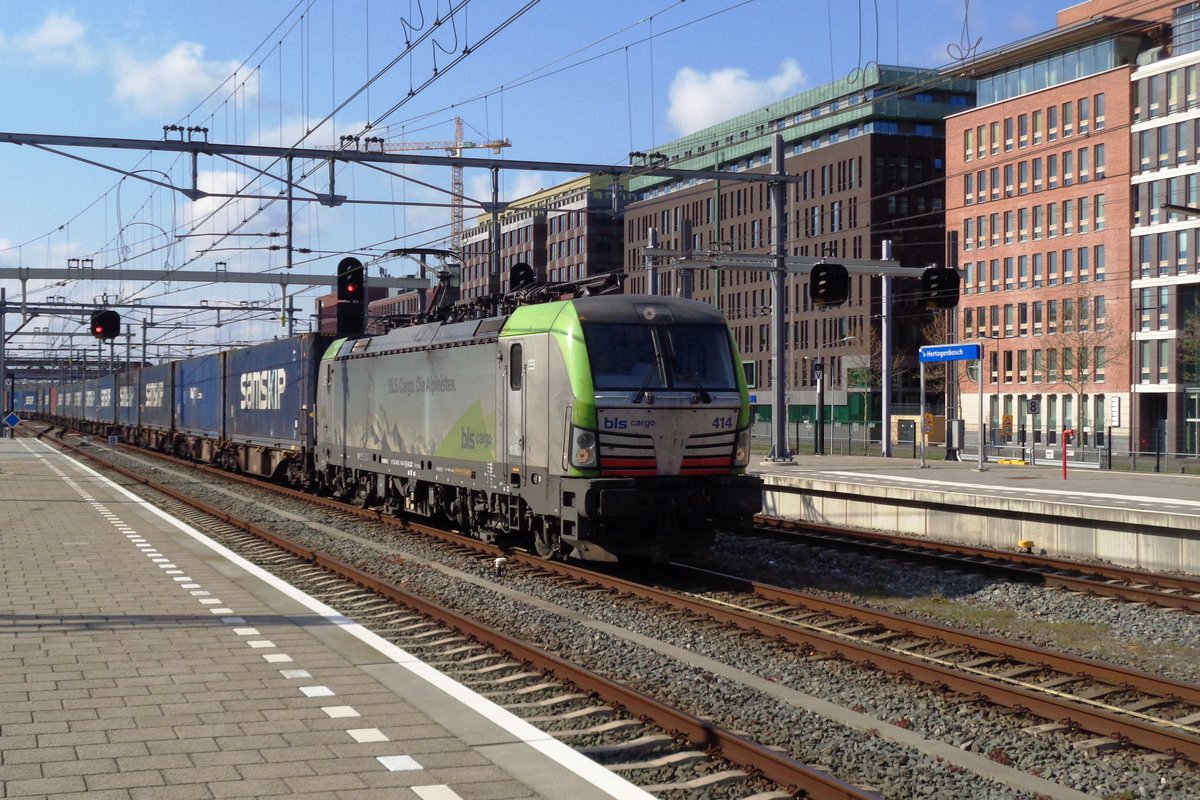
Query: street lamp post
(819, 447)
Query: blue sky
(564, 80)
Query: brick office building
(567, 232)
(870, 153)
(1079, 136)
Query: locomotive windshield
(643, 358)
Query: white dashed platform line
(317, 691)
(337, 712)
(398, 763)
(439, 792)
(586, 769)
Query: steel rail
(1055, 706)
(1018, 566)
(715, 740)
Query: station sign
(936, 353)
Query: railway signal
(351, 297)
(828, 284)
(939, 287)
(106, 323)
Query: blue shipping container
(127, 397)
(198, 395)
(270, 391)
(157, 397)
(99, 399)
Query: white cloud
(699, 99)
(514, 185)
(178, 77)
(60, 39)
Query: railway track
(1103, 580)
(1118, 706)
(506, 668)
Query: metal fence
(864, 439)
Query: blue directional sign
(12, 420)
(933, 353)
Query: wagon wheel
(362, 496)
(547, 540)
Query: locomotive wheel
(547, 541)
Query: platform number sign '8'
(1033, 407)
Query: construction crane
(454, 148)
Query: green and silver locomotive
(599, 428)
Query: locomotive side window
(515, 361)
(656, 357)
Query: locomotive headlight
(583, 447)
(741, 448)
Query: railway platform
(1142, 520)
(139, 659)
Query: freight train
(598, 428)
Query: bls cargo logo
(263, 390)
(475, 439)
(616, 424)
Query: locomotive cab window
(658, 357)
(515, 361)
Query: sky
(563, 80)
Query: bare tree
(936, 330)
(1188, 345)
(1086, 343)
(865, 372)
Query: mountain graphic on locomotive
(592, 427)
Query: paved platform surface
(1160, 492)
(140, 660)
